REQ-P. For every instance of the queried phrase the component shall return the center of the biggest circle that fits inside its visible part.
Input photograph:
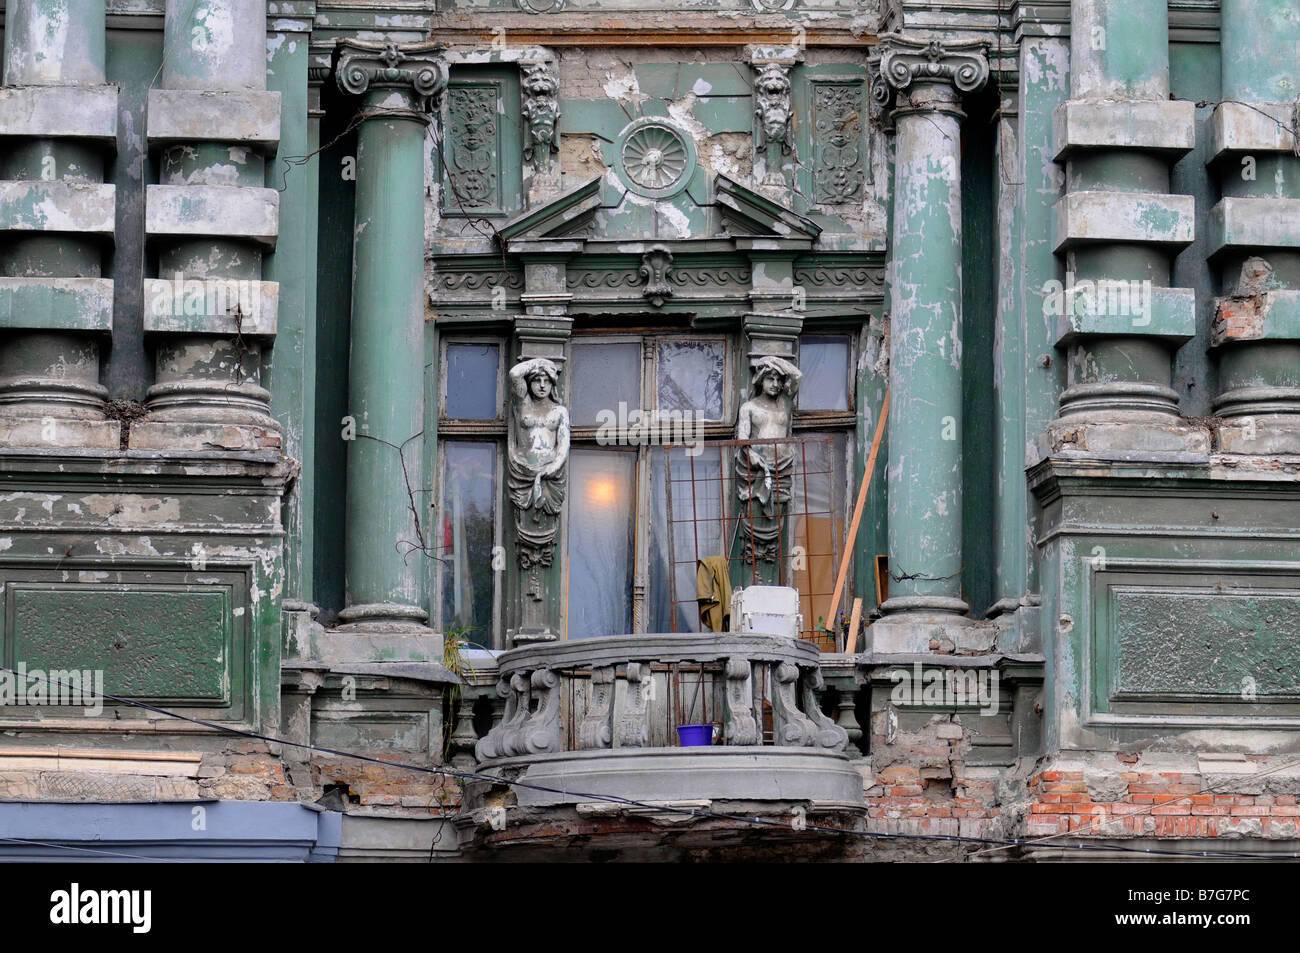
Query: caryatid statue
(763, 471)
(538, 451)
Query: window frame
(494, 636)
(471, 425)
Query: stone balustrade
(632, 692)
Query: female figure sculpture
(538, 450)
(763, 471)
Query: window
(616, 560)
(467, 529)
(827, 365)
(472, 382)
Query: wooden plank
(858, 506)
(854, 620)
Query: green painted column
(55, 308)
(924, 475)
(211, 218)
(1119, 229)
(1255, 243)
(385, 540)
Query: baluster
(634, 725)
(741, 725)
(792, 727)
(493, 744)
(828, 734)
(541, 730)
(464, 738)
(597, 727)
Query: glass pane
(466, 536)
(472, 381)
(697, 531)
(817, 525)
(824, 360)
(690, 377)
(601, 506)
(603, 375)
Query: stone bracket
(60, 112)
(1254, 223)
(246, 116)
(216, 306)
(1167, 127)
(1106, 216)
(58, 205)
(1260, 127)
(212, 211)
(57, 304)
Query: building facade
(412, 413)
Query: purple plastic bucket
(695, 736)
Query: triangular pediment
(748, 213)
(566, 215)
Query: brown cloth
(713, 593)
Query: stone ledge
(33, 433)
(60, 205)
(1254, 223)
(1147, 218)
(1267, 316)
(212, 211)
(251, 308)
(1165, 313)
(1260, 127)
(57, 304)
(757, 773)
(63, 112)
(247, 116)
(1168, 127)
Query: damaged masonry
(540, 429)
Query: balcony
(591, 725)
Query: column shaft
(385, 552)
(925, 414)
(924, 476)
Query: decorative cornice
(417, 67)
(906, 60)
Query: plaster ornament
(541, 111)
(763, 471)
(772, 106)
(538, 450)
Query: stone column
(208, 311)
(1119, 230)
(924, 477)
(58, 117)
(385, 538)
(1255, 240)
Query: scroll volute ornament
(906, 60)
(414, 67)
